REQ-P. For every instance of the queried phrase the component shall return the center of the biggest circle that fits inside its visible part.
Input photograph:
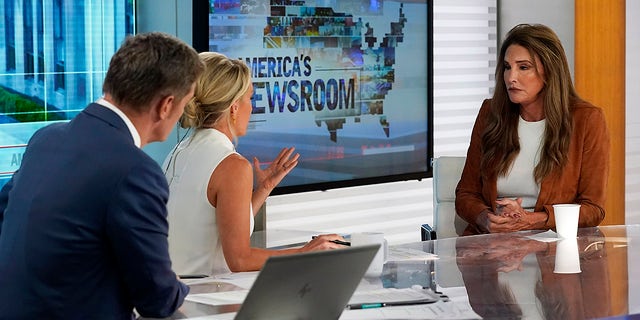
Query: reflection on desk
(583, 295)
(511, 276)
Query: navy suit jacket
(83, 227)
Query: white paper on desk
(438, 310)
(222, 316)
(547, 236)
(454, 293)
(365, 296)
(219, 298)
(206, 280)
(408, 254)
(459, 296)
(243, 280)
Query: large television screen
(348, 83)
(53, 58)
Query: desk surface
(509, 276)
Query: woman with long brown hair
(534, 144)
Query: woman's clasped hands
(509, 216)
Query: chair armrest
(427, 233)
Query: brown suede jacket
(583, 180)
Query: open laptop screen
(314, 285)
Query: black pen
(357, 306)
(192, 276)
(344, 243)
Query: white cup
(368, 238)
(567, 256)
(567, 216)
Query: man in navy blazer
(83, 228)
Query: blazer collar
(105, 114)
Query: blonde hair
(222, 83)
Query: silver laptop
(314, 285)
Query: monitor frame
(200, 42)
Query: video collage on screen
(348, 83)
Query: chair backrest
(446, 174)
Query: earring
(234, 120)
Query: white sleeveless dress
(194, 241)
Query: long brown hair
(500, 143)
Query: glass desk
(511, 276)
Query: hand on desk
(323, 242)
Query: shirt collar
(132, 129)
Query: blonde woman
(212, 199)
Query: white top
(520, 181)
(194, 241)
